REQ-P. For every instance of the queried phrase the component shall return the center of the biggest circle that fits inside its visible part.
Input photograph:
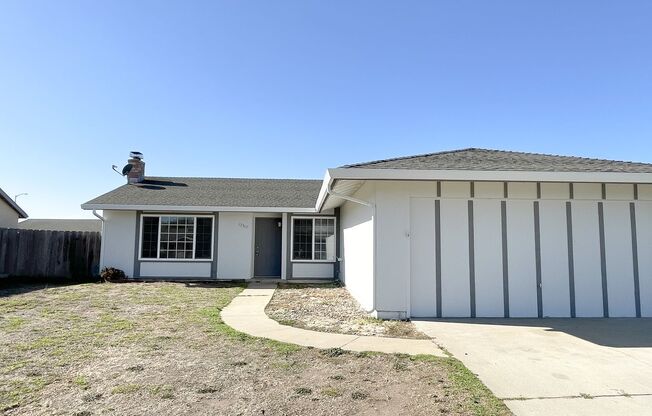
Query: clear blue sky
(289, 88)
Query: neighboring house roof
(205, 193)
(51, 224)
(12, 204)
(499, 160)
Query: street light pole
(16, 196)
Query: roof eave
(486, 175)
(186, 208)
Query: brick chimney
(137, 172)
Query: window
(313, 239)
(176, 237)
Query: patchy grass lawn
(161, 348)
(330, 308)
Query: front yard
(161, 348)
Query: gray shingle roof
(499, 160)
(12, 204)
(52, 224)
(215, 192)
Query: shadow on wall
(608, 332)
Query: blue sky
(289, 88)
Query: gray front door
(267, 249)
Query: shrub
(111, 274)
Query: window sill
(313, 261)
(177, 260)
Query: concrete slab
(246, 313)
(555, 361)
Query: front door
(267, 248)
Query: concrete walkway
(246, 313)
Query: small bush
(111, 274)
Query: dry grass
(161, 348)
(330, 308)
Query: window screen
(204, 237)
(150, 238)
(302, 239)
(313, 239)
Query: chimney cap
(135, 155)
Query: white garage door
(530, 258)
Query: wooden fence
(40, 253)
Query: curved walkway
(246, 313)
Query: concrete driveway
(556, 366)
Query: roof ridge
(513, 152)
(391, 159)
(231, 178)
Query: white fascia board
(323, 194)
(484, 175)
(179, 208)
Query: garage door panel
(455, 287)
(554, 259)
(488, 258)
(423, 300)
(521, 259)
(644, 243)
(586, 255)
(619, 259)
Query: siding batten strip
(571, 260)
(603, 261)
(438, 256)
(136, 261)
(537, 250)
(216, 229)
(471, 260)
(503, 217)
(637, 286)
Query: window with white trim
(313, 238)
(176, 237)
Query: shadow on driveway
(608, 332)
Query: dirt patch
(330, 308)
(161, 348)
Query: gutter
(330, 192)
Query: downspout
(101, 218)
(371, 205)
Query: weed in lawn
(239, 363)
(91, 397)
(126, 389)
(136, 368)
(208, 390)
(359, 395)
(163, 391)
(303, 391)
(12, 323)
(81, 382)
(333, 352)
(400, 365)
(336, 377)
(331, 392)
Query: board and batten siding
(460, 249)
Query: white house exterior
(470, 233)
(10, 212)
